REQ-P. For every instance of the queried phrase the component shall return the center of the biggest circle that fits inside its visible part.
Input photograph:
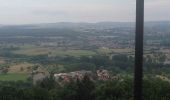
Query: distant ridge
(86, 24)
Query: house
(67, 77)
(103, 75)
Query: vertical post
(138, 79)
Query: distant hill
(73, 25)
(99, 25)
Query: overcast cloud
(51, 11)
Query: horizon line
(83, 22)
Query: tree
(85, 89)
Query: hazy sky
(44, 11)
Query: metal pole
(138, 79)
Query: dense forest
(154, 89)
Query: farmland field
(13, 77)
(20, 68)
(123, 50)
(53, 52)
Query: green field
(73, 52)
(13, 77)
(107, 50)
(53, 52)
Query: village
(62, 78)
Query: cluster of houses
(73, 76)
(102, 75)
(61, 78)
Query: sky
(52, 11)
